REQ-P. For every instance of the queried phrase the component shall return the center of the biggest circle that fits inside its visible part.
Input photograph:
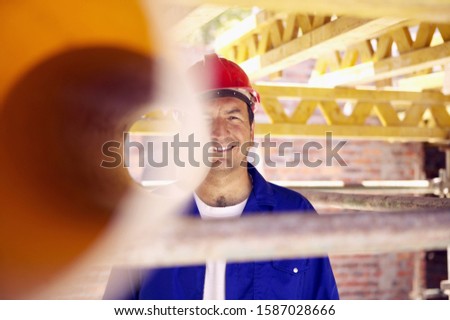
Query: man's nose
(218, 127)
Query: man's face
(231, 133)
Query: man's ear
(252, 132)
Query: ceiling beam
(364, 132)
(446, 84)
(386, 68)
(367, 114)
(433, 80)
(424, 10)
(243, 29)
(335, 35)
(196, 18)
(296, 91)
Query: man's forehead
(226, 103)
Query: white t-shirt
(215, 270)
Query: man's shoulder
(287, 199)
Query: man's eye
(234, 118)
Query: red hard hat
(220, 77)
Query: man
(233, 188)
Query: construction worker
(233, 188)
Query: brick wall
(381, 276)
(364, 160)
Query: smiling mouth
(221, 149)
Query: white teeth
(221, 149)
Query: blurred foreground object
(73, 77)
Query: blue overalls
(303, 278)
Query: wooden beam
(296, 91)
(196, 18)
(155, 127)
(286, 129)
(446, 85)
(433, 80)
(246, 28)
(363, 132)
(424, 10)
(336, 35)
(398, 39)
(418, 107)
(387, 68)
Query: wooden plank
(421, 82)
(384, 47)
(332, 113)
(414, 61)
(196, 18)
(291, 29)
(446, 84)
(334, 61)
(305, 23)
(275, 76)
(360, 113)
(387, 68)
(387, 115)
(441, 116)
(414, 115)
(264, 43)
(246, 28)
(403, 40)
(242, 53)
(287, 130)
(319, 21)
(336, 35)
(303, 112)
(276, 32)
(424, 35)
(350, 58)
(444, 30)
(320, 66)
(365, 51)
(252, 45)
(380, 84)
(155, 127)
(424, 10)
(296, 91)
(364, 132)
(274, 110)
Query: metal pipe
(265, 236)
(409, 187)
(373, 202)
(445, 285)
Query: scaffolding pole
(373, 202)
(267, 236)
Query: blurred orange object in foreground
(74, 76)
